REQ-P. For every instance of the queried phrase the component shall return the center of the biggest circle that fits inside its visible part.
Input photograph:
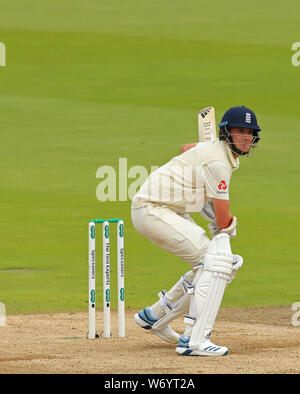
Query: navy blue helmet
(240, 117)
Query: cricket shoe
(206, 348)
(146, 321)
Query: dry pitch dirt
(260, 340)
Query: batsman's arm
(222, 212)
(186, 147)
(225, 222)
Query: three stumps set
(106, 277)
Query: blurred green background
(87, 83)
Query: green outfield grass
(89, 82)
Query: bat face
(207, 124)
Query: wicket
(106, 277)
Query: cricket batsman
(197, 180)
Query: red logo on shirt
(222, 185)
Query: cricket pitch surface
(260, 341)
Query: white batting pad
(176, 301)
(209, 287)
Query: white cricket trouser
(172, 232)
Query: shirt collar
(233, 161)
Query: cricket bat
(207, 124)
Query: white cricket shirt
(185, 183)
